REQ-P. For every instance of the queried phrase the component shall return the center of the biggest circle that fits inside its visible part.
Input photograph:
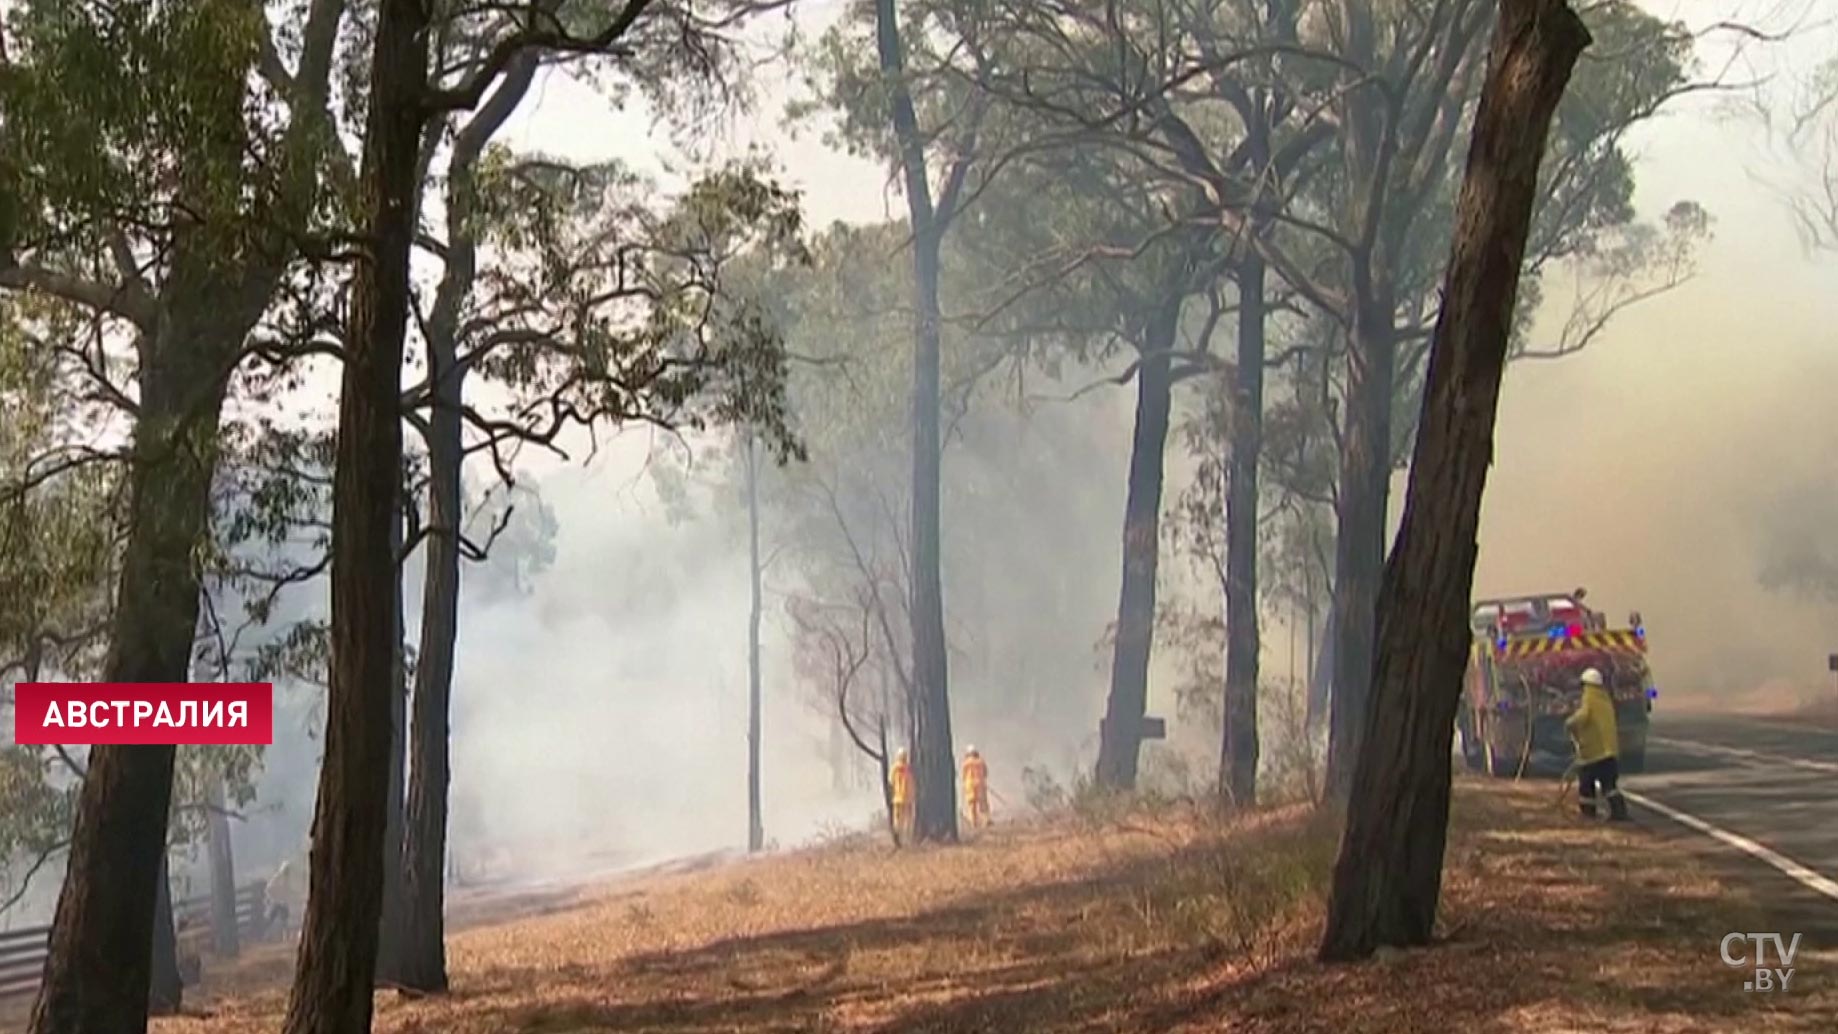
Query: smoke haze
(600, 721)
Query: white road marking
(1746, 755)
(1800, 873)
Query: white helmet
(900, 755)
(1592, 677)
(970, 748)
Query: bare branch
(550, 37)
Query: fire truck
(1524, 678)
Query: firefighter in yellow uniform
(900, 787)
(976, 788)
(285, 897)
(1597, 737)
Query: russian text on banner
(70, 714)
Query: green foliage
(140, 111)
(196, 767)
(605, 308)
(36, 810)
(843, 82)
(57, 561)
(57, 539)
(1196, 636)
(301, 652)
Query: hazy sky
(1656, 445)
(1641, 468)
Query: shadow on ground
(1550, 925)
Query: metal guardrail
(192, 915)
(23, 952)
(22, 960)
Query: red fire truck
(1523, 680)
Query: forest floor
(1108, 922)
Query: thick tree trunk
(226, 940)
(1389, 875)
(934, 763)
(338, 943)
(165, 988)
(1239, 749)
(1359, 544)
(1120, 736)
(99, 970)
(756, 826)
(391, 927)
(97, 973)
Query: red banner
(71, 714)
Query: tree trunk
(1359, 544)
(884, 767)
(1120, 735)
(1321, 673)
(390, 929)
(756, 827)
(225, 937)
(338, 942)
(99, 969)
(165, 987)
(1389, 874)
(1239, 749)
(424, 958)
(422, 961)
(934, 762)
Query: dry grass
(1129, 926)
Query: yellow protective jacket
(976, 779)
(1593, 726)
(288, 887)
(900, 781)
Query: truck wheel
(1494, 760)
(1499, 764)
(1471, 753)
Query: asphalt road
(1747, 787)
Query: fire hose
(1565, 784)
(1569, 777)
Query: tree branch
(118, 300)
(471, 91)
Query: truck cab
(1534, 615)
